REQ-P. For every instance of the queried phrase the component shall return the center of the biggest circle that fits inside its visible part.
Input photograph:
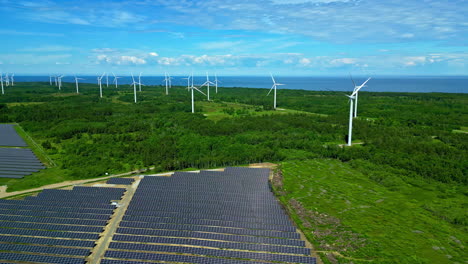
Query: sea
(413, 84)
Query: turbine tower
(207, 84)
(167, 79)
(12, 79)
(50, 80)
(134, 88)
(1, 81)
(7, 80)
(59, 80)
(139, 82)
(115, 80)
(351, 97)
(76, 83)
(274, 88)
(56, 81)
(188, 82)
(107, 80)
(216, 82)
(193, 100)
(99, 79)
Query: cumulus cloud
(153, 54)
(120, 59)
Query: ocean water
(417, 84)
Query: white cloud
(120, 59)
(304, 61)
(153, 54)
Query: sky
(235, 37)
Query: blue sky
(235, 37)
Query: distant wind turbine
(207, 84)
(216, 82)
(274, 88)
(115, 80)
(134, 88)
(107, 80)
(12, 79)
(351, 108)
(1, 80)
(59, 80)
(188, 82)
(99, 79)
(76, 83)
(139, 82)
(56, 80)
(167, 79)
(7, 80)
(50, 80)
(193, 100)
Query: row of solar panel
(213, 252)
(45, 249)
(82, 204)
(40, 258)
(47, 241)
(221, 230)
(213, 244)
(43, 233)
(10, 137)
(172, 258)
(46, 226)
(122, 181)
(189, 234)
(156, 205)
(209, 215)
(57, 214)
(204, 222)
(55, 209)
(48, 220)
(208, 194)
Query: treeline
(89, 136)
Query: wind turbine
(134, 88)
(188, 82)
(1, 80)
(356, 97)
(107, 80)
(167, 79)
(216, 82)
(207, 84)
(115, 80)
(12, 79)
(99, 79)
(59, 80)
(56, 82)
(139, 82)
(7, 80)
(274, 87)
(50, 80)
(194, 88)
(351, 97)
(76, 83)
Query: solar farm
(217, 217)
(16, 161)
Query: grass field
(351, 218)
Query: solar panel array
(56, 226)
(16, 162)
(207, 217)
(122, 181)
(9, 137)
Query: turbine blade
(354, 84)
(273, 79)
(359, 88)
(198, 90)
(271, 90)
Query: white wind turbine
(207, 84)
(50, 80)
(12, 79)
(188, 82)
(76, 83)
(194, 88)
(107, 80)
(351, 108)
(356, 96)
(1, 80)
(274, 88)
(167, 79)
(216, 82)
(99, 79)
(115, 80)
(56, 80)
(139, 82)
(59, 80)
(134, 88)
(7, 80)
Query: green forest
(410, 148)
